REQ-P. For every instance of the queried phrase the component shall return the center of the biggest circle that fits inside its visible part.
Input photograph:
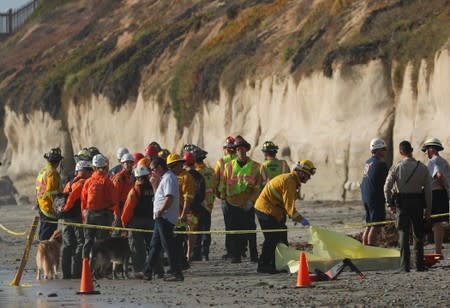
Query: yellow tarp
(329, 245)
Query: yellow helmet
(174, 158)
(306, 166)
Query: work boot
(236, 260)
(266, 269)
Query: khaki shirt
(419, 182)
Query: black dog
(113, 250)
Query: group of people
(412, 191)
(167, 192)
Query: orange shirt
(75, 194)
(130, 204)
(99, 194)
(123, 182)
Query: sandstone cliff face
(320, 78)
(329, 121)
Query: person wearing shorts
(375, 173)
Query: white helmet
(99, 161)
(121, 151)
(83, 164)
(141, 171)
(126, 157)
(377, 143)
(432, 142)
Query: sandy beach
(219, 283)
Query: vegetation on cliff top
(221, 44)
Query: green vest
(273, 167)
(208, 175)
(240, 178)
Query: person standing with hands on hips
(275, 201)
(411, 182)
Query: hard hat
(189, 147)
(121, 151)
(83, 165)
(432, 142)
(200, 154)
(93, 151)
(99, 161)
(269, 147)
(137, 157)
(126, 157)
(83, 155)
(174, 158)
(306, 166)
(144, 162)
(156, 144)
(229, 142)
(141, 171)
(151, 150)
(189, 158)
(377, 143)
(54, 155)
(240, 141)
(164, 153)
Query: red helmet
(189, 158)
(229, 142)
(240, 141)
(137, 157)
(151, 150)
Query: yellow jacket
(278, 197)
(187, 187)
(48, 185)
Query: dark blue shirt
(375, 173)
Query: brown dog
(47, 256)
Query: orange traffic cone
(86, 286)
(303, 280)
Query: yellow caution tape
(337, 226)
(11, 232)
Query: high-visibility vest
(272, 168)
(42, 193)
(240, 178)
(222, 162)
(208, 175)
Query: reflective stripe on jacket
(278, 197)
(242, 184)
(48, 185)
(210, 185)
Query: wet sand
(219, 283)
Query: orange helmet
(144, 162)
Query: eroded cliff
(320, 78)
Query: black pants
(73, 238)
(203, 241)
(100, 218)
(46, 228)
(163, 238)
(410, 214)
(241, 220)
(226, 218)
(271, 239)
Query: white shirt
(167, 186)
(438, 164)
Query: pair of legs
(375, 212)
(100, 218)
(439, 206)
(202, 241)
(163, 238)
(410, 215)
(266, 263)
(73, 239)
